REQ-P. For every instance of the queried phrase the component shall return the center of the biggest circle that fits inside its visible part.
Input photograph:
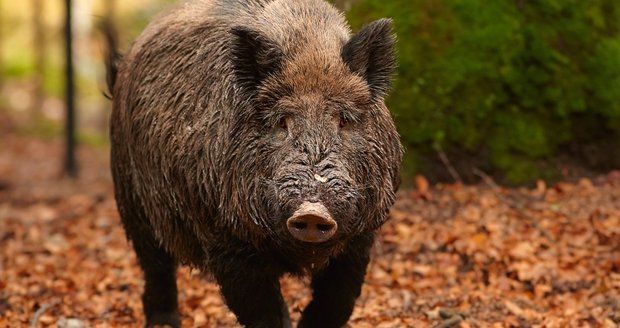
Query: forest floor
(451, 255)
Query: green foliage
(507, 80)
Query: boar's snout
(312, 223)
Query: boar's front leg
(336, 288)
(250, 288)
(160, 286)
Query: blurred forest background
(517, 89)
(502, 91)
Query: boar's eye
(348, 117)
(343, 121)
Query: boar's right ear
(371, 54)
(254, 57)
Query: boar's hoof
(163, 320)
(312, 223)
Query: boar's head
(315, 158)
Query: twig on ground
(487, 179)
(39, 313)
(519, 208)
(446, 162)
(450, 322)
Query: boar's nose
(312, 223)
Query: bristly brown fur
(224, 113)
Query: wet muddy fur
(227, 116)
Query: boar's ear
(371, 54)
(254, 57)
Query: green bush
(509, 82)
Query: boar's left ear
(371, 54)
(254, 57)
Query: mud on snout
(317, 204)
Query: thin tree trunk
(39, 52)
(70, 165)
(1, 49)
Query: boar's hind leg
(335, 289)
(160, 287)
(251, 290)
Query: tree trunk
(70, 166)
(1, 49)
(39, 45)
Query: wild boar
(250, 139)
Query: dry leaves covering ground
(452, 255)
